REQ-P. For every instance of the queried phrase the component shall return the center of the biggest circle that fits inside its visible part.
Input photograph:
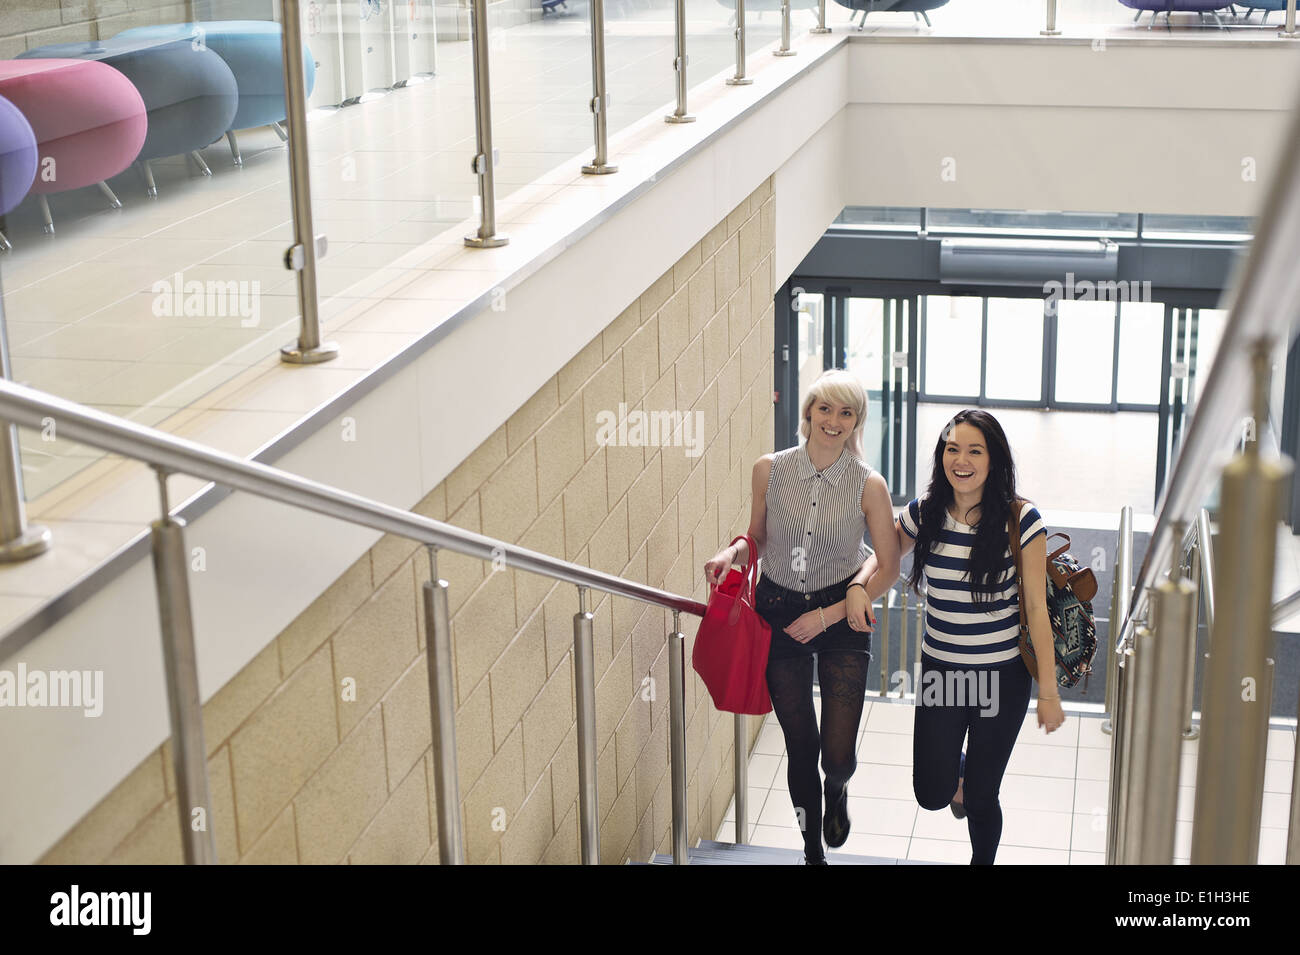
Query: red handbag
(733, 642)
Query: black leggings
(990, 706)
(842, 675)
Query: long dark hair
(987, 555)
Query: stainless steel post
(1051, 20)
(485, 158)
(902, 639)
(1234, 735)
(679, 115)
(600, 165)
(184, 705)
(584, 676)
(18, 541)
(742, 779)
(1119, 756)
(882, 646)
(1121, 594)
(1203, 580)
(307, 246)
(784, 49)
(442, 710)
(740, 79)
(1141, 679)
(1173, 618)
(1288, 30)
(821, 26)
(1293, 828)
(677, 735)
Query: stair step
(725, 853)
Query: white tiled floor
(1053, 796)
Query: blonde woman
(811, 506)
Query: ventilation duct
(1027, 261)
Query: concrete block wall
(320, 748)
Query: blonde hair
(839, 387)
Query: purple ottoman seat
(17, 160)
(88, 118)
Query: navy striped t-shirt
(955, 632)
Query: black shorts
(781, 607)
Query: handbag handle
(751, 567)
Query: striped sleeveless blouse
(815, 524)
(955, 632)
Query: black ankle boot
(836, 822)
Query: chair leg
(203, 167)
(150, 187)
(1215, 14)
(113, 201)
(279, 131)
(926, 17)
(48, 228)
(1138, 17)
(234, 147)
(5, 244)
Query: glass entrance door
(876, 339)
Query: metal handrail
(1266, 286)
(27, 406)
(168, 454)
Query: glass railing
(146, 195)
(146, 214)
(1094, 18)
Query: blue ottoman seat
(251, 48)
(189, 92)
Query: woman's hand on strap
(716, 567)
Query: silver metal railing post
(307, 246)
(740, 79)
(1173, 617)
(1119, 754)
(485, 157)
(821, 26)
(1141, 676)
(680, 59)
(784, 49)
(1234, 710)
(742, 779)
(600, 165)
(18, 541)
(584, 678)
(677, 736)
(1051, 20)
(1203, 580)
(882, 646)
(1288, 30)
(1121, 591)
(442, 710)
(902, 640)
(1293, 828)
(180, 663)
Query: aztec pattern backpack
(1070, 589)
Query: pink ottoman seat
(88, 118)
